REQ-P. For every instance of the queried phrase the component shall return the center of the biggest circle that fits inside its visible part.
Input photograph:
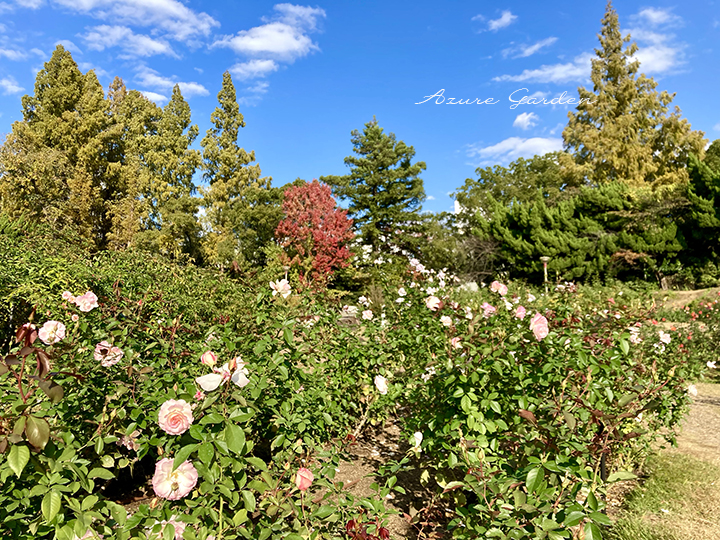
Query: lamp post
(545, 260)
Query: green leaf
(626, 398)
(257, 463)
(50, 505)
(592, 532)
(240, 517)
(569, 419)
(235, 438)
(249, 499)
(169, 532)
(98, 472)
(592, 502)
(182, 454)
(18, 457)
(624, 347)
(573, 518)
(53, 390)
(323, 512)
(621, 475)
(600, 518)
(534, 479)
(288, 335)
(206, 452)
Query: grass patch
(679, 500)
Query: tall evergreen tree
(241, 209)
(712, 156)
(622, 129)
(383, 188)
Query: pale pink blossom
(488, 310)
(174, 485)
(381, 384)
(692, 390)
(304, 478)
(208, 358)
(367, 315)
(199, 395)
(86, 302)
(106, 354)
(456, 343)
(223, 374)
(520, 312)
(178, 525)
(447, 321)
(75, 317)
(281, 287)
(175, 416)
(432, 303)
(51, 332)
(499, 288)
(711, 365)
(665, 337)
(402, 291)
(67, 295)
(539, 326)
(468, 313)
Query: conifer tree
(383, 189)
(241, 209)
(623, 129)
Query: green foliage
(622, 129)
(383, 189)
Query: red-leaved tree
(314, 232)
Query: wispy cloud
(577, 70)
(254, 69)
(511, 149)
(152, 96)
(430, 198)
(101, 37)
(153, 79)
(13, 54)
(69, 45)
(8, 85)
(170, 17)
(505, 20)
(716, 127)
(523, 51)
(658, 49)
(526, 120)
(657, 17)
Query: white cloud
(3, 28)
(99, 72)
(254, 69)
(716, 127)
(39, 53)
(69, 45)
(657, 17)
(282, 38)
(511, 149)
(577, 70)
(153, 79)
(8, 85)
(13, 54)
(4, 6)
(526, 120)
(523, 51)
(430, 198)
(657, 52)
(152, 96)
(31, 4)
(170, 16)
(104, 36)
(505, 20)
(260, 87)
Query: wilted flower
(447, 321)
(86, 302)
(381, 384)
(402, 291)
(106, 354)
(468, 313)
(692, 390)
(174, 485)
(350, 310)
(199, 395)
(367, 315)
(539, 326)
(304, 478)
(418, 438)
(488, 310)
(456, 343)
(51, 332)
(175, 416)
(531, 297)
(432, 303)
(364, 301)
(211, 381)
(129, 442)
(711, 365)
(208, 358)
(282, 287)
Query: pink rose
(175, 416)
(281, 287)
(539, 326)
(86, 302)
(367, 315)
(67, 295)
(432, 303)
(447, 321)
(51, 332)
(106, 354)
(208, 358)
(488, 310)
(178, 525)
(303, 478)
(520, 312)
(75, 317)
(173, 485)
(499, 288)
(456, 343)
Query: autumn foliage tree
(314, 232)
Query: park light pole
(545, 260)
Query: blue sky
(308, 74)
